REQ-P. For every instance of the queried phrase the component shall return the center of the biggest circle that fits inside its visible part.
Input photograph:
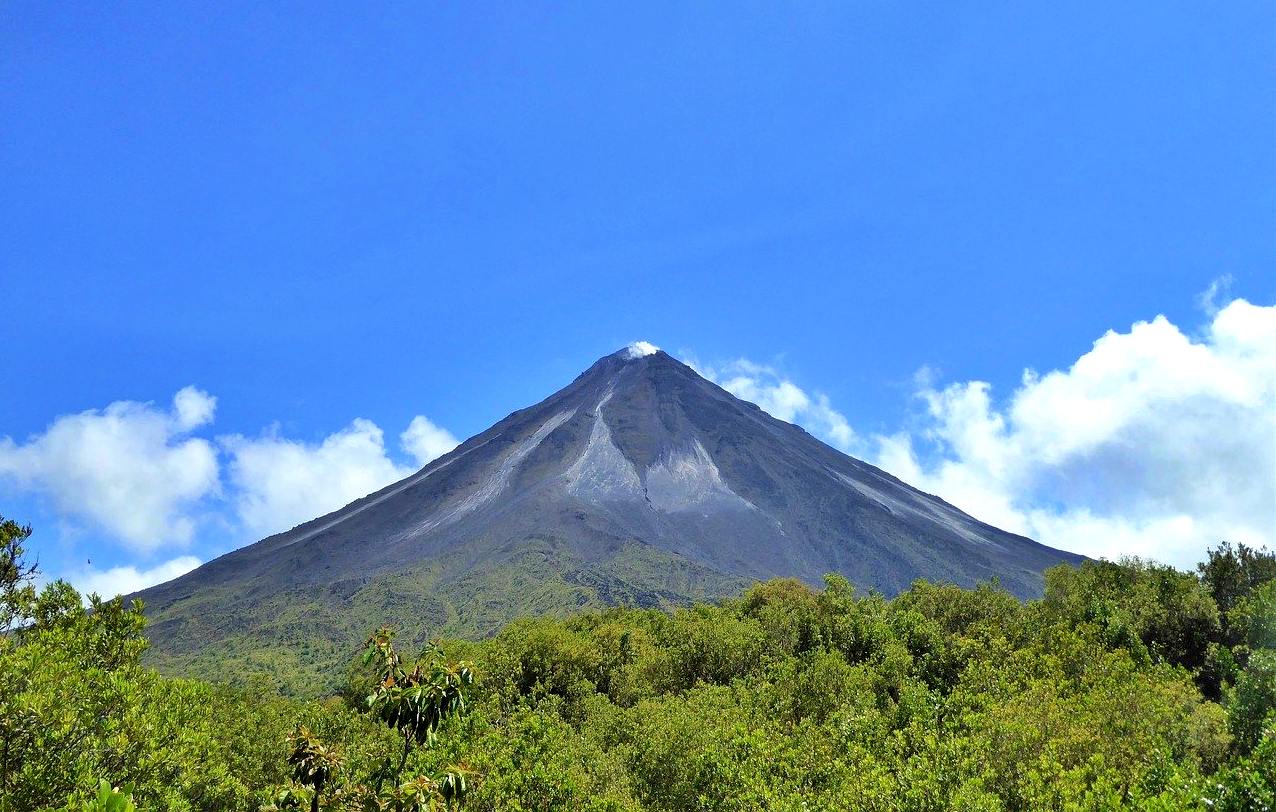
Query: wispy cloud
(780, 397)
(1217, 291)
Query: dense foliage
(1129, 685)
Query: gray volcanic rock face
(638, 470)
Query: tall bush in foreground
(412, 701)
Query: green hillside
(302, 643)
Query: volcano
(640, 483)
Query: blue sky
(450, 210)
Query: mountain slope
(639, 483)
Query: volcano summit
(641, 482)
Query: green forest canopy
(1129, 684)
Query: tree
(414, 701)
(1151, 609)
(77, 709)
(313, 764)
(1232, 572)
(69, 681)
(1253, 701)
(17, 592)
(411, 701)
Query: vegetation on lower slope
(1129, 685)
(302, 642)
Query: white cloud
(193, 408)
(128, 468)
(127, 580)
(781, 398)
(280, 483)
(1153, 443)
(133, 472)
(425, 441)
